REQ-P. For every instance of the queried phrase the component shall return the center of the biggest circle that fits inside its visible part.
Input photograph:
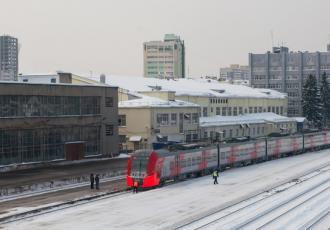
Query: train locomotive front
(142, 168)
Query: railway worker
(135, 186)
(97, 181)
(92, 180)
(215, 175)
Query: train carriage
(153, 167)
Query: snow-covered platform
(173, 205)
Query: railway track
(268, 209)
(61, 206)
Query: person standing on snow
(135, 186)
(97, 181)
(92, 180)
(215, 175)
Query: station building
(46, 122)
(149, 122)
(249, 126)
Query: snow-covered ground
(176, 204)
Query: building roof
(152, 102)
(252, 118)
(192, 87)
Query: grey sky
(107, 35)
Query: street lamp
(218, 147)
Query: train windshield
(139, 163)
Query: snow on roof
(252, 118)
(192, 87)
(146, 101)
(300, 119)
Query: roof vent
(156, 87)
(219, 90)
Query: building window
(122, 120)
(108, 102)
(250, 110)
(240, 110)
(217, 112)
(235, 111)
(109, 130)
(173, 119)
(53, 80)
(162, 119)
(229, 111)
(260, 110)
(255, 109)
(25, 80)
(224, 111)
(211, 109)
(195, 118)
(204, 111)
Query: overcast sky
(106, 36)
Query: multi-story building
(148, 121)
(44, 122)
(214, 98)
(8, 58)
(164, 59)
(287, 71)
(234, 72)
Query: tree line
(316, 101)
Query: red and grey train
(153, 167)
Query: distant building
(45, 122)
(8, 58)
(234, 72)
(164, 59)
(286, 72)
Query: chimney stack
(102, 78)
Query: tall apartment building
(8, 58)
(287, 71)
(234, 72)
(164, 59)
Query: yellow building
(213, 97)
(147, 121)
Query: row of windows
(230, 133)
(293, 94)
(34, 106)
(234, 111)
(31, 145)
(165, 119)
(218, 101)
(160, 62)
(292, 86)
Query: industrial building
(46, 122)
